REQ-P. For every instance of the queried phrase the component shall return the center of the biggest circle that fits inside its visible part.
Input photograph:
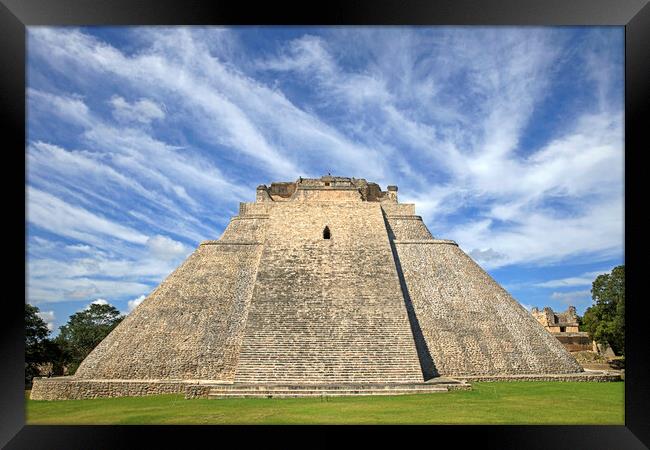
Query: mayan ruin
(565, 327)
(564, 322)
(322, 283)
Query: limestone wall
(327, 310)
(348, 194)
(586, 376)
(398, 209)
(254, 208)
(575, 341)
(560, 329)
(190, 327)
(471, 325)
(69, 388)
(407, 227)
(249, 228)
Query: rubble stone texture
(278, 300)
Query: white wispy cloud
(73, 110)
(159, 71)
(99, 301)
(142, 266)
(55, 272)
(164, 248)
(572, 297)
(129, 157)
(53, 214)
(527, 306)
(53, 290)
(49, 317)
(586, 279)
(142, 111)
(168, 138)
(132, 304)
(105, 176)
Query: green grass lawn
(487, 403)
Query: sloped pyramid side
(190, 327)
(470, 324)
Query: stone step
(319, 364)
(311, 390)
(372, 356)
(326, 357)
(328, 344)
(285, 391)
(317, 369)
(311, 371)
(280, 394)
(334, 314)
(376, 355)
(316, 380)
(341, 387)
(297, 360)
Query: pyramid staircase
(244, 390)
(327, 311)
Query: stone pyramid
(319, 281)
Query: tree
(84, 330)
(37, 344)
(605, 320)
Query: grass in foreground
(487, 403)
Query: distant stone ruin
(564, 322)
(565, 328)
(320, 285)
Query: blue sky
(142, 141)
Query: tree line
(605, 319)
(62, 354)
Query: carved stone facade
(319, 281)
(564, 322)
(565, 327)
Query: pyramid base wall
(598, 376)
(71, 388)
(575, 342)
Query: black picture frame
(15, 15)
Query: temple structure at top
(326, 188)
